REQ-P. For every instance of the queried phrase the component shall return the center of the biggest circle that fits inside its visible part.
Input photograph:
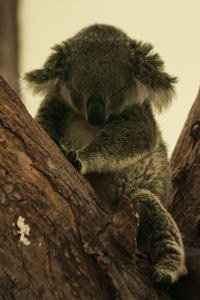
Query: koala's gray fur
(99, 89)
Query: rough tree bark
(185, 201)
(185, 161)
(56, 239)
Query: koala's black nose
(96, 111)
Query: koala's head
(101, 72)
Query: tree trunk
(185, 161)
(9, 42)
(185, 201)
(57, 240)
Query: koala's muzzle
(96, 111)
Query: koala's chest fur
(147, 171)
(77, 133)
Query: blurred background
(29, 28)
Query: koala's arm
(51, 116)
(159, 236)
(133, 132)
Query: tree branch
(185, 201)
(57, 240)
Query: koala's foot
(163, 275)
(73, 158)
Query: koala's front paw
(73, 158)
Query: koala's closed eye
(117, 92)
(75, 92)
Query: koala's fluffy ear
(55, 67)
(151, 80)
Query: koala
(100, 90)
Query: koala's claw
(162, 277)
(73, 158)
(62, 148)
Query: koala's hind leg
(159, 237)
